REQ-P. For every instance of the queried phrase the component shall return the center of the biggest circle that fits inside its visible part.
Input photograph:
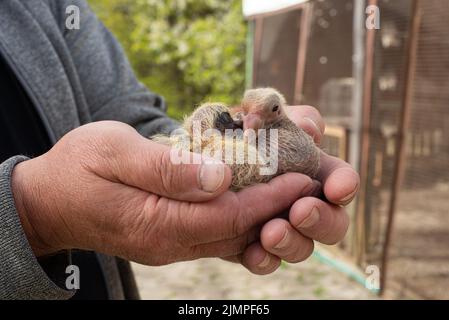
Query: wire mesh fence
(401, 222)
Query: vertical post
(415, 25)
(304, 31)
(358, 71)
(249, 63)
(365, 141)
(258, 32)
(358, 75)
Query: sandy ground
(216, 279)
(419, 260)
(418, 268)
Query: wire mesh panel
(419, 259)
(328, 81)
(390, 63)
(328, 75)
(277, 56)
(407, 84)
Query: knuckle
(240, 223)
(307, 184)
(185, 226)
(236, 226)
(243, 244)
(98, 140)
(237, 216)
(170, 178)
(197, 252)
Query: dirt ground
(418, 267)
(217, 279)
(419, 260)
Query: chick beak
(252, 121)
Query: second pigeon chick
(205, 132)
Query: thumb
(150, 166)
(308, 119)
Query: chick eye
(275, 108)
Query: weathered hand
(104, 187)
(310, 218)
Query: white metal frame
(255, 7)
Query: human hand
(104, 187)
(310, 218)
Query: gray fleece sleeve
(110, 85)
(21, 275)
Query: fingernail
(284, 241)
(265, 262)
(211, 175)
(311, 220)
(349, 197)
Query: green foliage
(189, 51)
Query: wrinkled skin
(103, 187)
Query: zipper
(31, 95)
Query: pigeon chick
(217, 143)
(264, 108)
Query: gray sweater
(73, 77)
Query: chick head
(262, 107)
(211, 116)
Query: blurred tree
(189, 51)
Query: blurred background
(378, 71)
(188, 51)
